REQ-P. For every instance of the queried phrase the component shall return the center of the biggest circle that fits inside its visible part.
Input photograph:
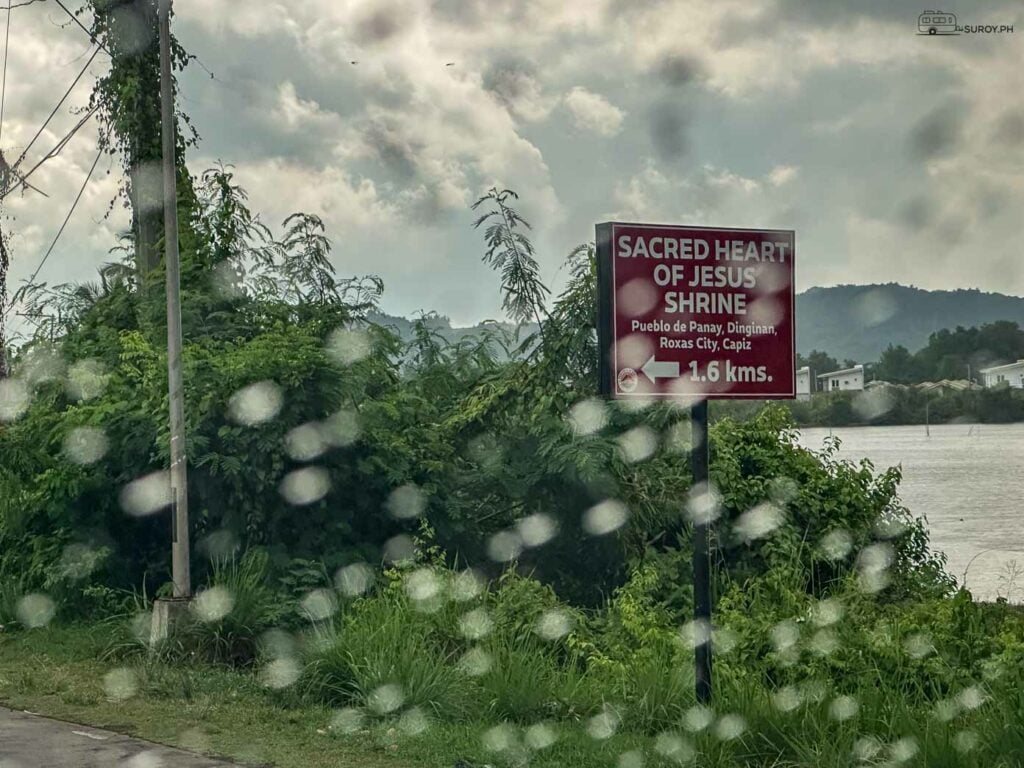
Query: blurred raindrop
(787, 698)
(147, 495)
(871, 404)
(785, 636)
(540, 736)
(730, 727)
(413, 722)
(697, 718)
(148, 759)
(902, 750)
(280, 673)
(867, 748)
(827, 612)
(604, 724)
(85, 445)
(476, 624)
(255, 404)
(971, 698)
(79, 560)
(475, 662)
(696, 633)
(636, 298)
(354, 580)
(319, 604)
(40, 364)
(637, 444)
(918, 645)
(536, 530)
(386, 698)
(634, 758)
(554, 624)
(588, 416)
(276, 644)
(605, 517)
(347, 720)
(783, 490)
(873, 566)
(347, 345)
(219, 545)
(305, 442)
(465, 585)
(406, 502)
(425, 588)
(305, 486)
(500, 738)
(14, 399)
(341, 429)
(966, 741)
(35, 610)
(504, 546)
(875, 307)
(120, 684)
(703, 504)
(946, 710)
(889, 527)
(759, 522)
(824, 642)
(400, 549)
(674, 747)
(87, 380)
(213, 604)
(835, 545)
(843, 708)
(724, 639)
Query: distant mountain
(859, 321)
(854, 322)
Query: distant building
(947, 385)
(803, 383)
(1011, 374)
(846, 380)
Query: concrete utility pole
(179, 470)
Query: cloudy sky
(895, 157)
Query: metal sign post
(692, 314)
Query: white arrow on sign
(660, 369)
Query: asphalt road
(30, 741)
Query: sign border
(604, 239)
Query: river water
(968, 482)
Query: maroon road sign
(696, 311)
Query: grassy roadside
(60, 672)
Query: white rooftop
(1002, 367)
(844, 372)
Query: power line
(68, 217)
(54, 112)
(52, 153)
(3, 88)
(82, 26)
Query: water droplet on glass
(554, 624)
(213, 604)
(500, 738)
(305, 486)
(347, 720)
(475, 662)
(637, 444)
(674, 747)
(341, 429)
(604, 724)
(87, 380)
(423, 585)
(406, 502)
(386, 698)
(347, 345)
(605, 517)
(730, 727)
(305, 442)
(971, 698)
(85, 445)
(918, 645)
(634, 758)
(400, 549)
(867, 748)
(536, 530)
(785, 635)
(354, 580)
(703, 504)
(843, 708)
(835, 545)
(824, 642)
(827, 612)
(465, 586)
(588, 416)
(475, 624)
(14, 399)
(540, 736)
(758, 522)
(319, 604)
(903, 749)
(280, 673)
(255, 404)
(966, 741)
(697, 718)
(413, 722)
(35, 610)
(120, 684)
(147, 495)
(504, 546)
(695, 633)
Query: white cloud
(782, 174)
(593, 112)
